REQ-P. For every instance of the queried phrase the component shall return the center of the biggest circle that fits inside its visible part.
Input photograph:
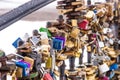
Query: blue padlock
(57, 44)
(24, 66)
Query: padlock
(57, 44)
(45, 30)
(101, 12)
(35, 40)
(25, 67)
(74, 33)
(103, 68)
(89, 48)
(83, 25)
(74, 22)
(15, 43)
(89, 15)
(77, 53)
(46, 75)
(69, 44)
(49, 63)
(27, 59)
(63, 39)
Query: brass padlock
(74, 22)
(75, 32)
(69, 44)
(78, 53)
(49, 63)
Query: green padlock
(45, 30)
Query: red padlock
(83, 25)
(46, 75)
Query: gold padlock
(74, 22)
(89, 48)
(49, 63)
(75, 32)
(69, 44)
(78, 53)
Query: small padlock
(74, 22)
(49, 63)
(75, 32)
